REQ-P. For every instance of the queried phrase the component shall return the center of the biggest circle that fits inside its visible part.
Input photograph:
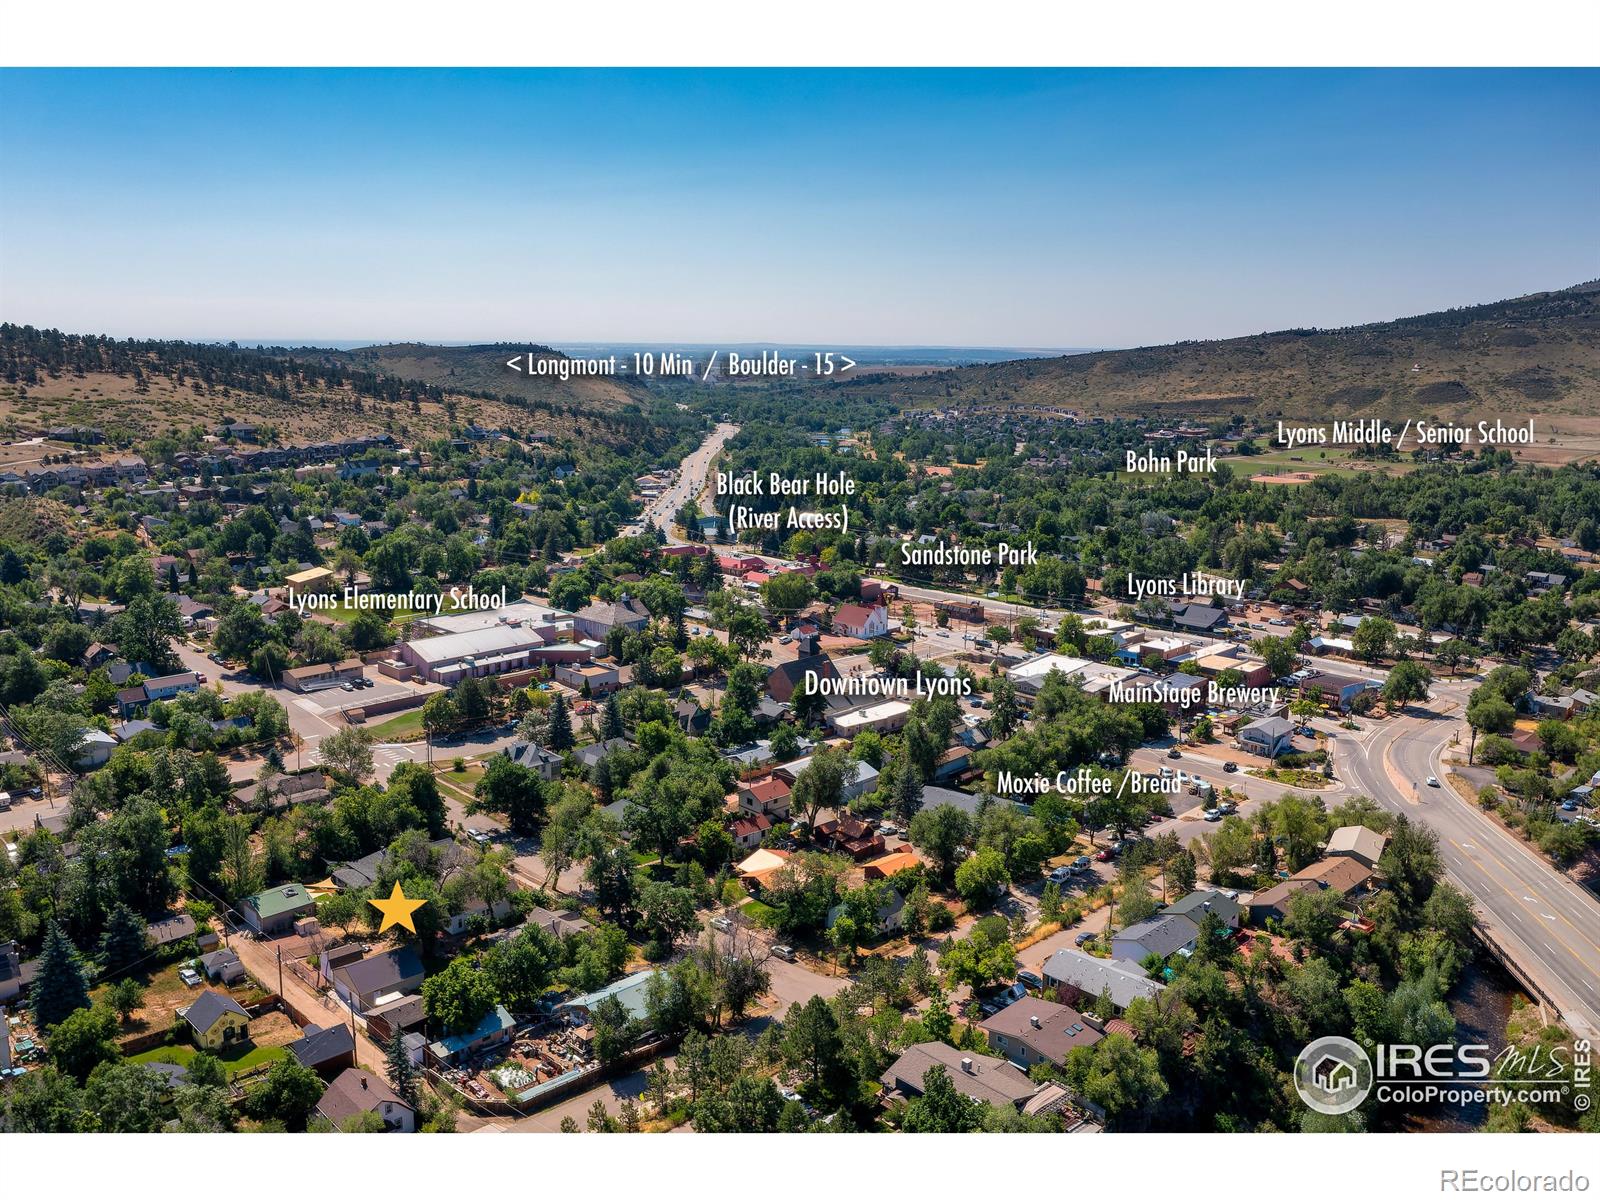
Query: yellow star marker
(397, 909)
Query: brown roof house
(1357, 842)
(1346, 874)
(978, 1077)
(1034, 1031)
(355, 1091)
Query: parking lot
(329, 702)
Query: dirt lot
(165, 993)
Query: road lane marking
(1554, 933)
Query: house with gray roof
(546, 764)
(629, 991)
(590, 755)
(1197, 904)
(1085, 978)
(1268, 737)
(214, 1010)
(1162, 935)
(223, 966)
(325, 1049)
(370, 982)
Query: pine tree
(907, 790)
(559, 737)
(613, 727)
(123, 942)
(402, 1072)
(62, 986)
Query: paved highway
(1547, 924)
(691, 480)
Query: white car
(1432, 782)
(722, 924)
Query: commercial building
(311, 581)
(319, 676)
(524, 613)
(491, 650)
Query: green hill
(1537, 354)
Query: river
(1481, 1004)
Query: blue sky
(1017, 208)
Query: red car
(1105, 855)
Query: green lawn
(761, 914)
(404, 725)
(236, 1060)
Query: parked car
(1061, 875)
(1032, 980)
(785, 952)
(1569, 806)
(1227, 808)
(1081, 863)
(1082, 938)
(722, 924)
(189, 976)
(1212, 814)
(889, 829)
(478, 836)
(1105, 855)
(200, 676)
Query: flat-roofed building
(451, 657)
(308, 582)
(525, 613)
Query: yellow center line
(1556, 913)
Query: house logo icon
(1333, 1075)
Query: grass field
(762, 914)
(237, 1060)
(404, 726)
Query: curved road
(1541, 918)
